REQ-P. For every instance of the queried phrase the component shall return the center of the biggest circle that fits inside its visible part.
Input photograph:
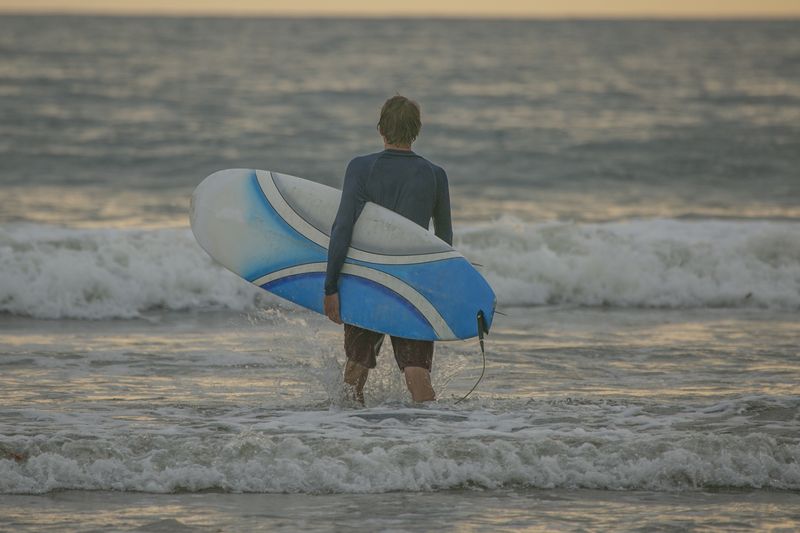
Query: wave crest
(51, 272)
(254, 462)
(654, 263)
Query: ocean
(631, 189)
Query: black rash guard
(399, 180)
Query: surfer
(412, 186)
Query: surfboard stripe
(437, 322)
(267, 182)
(291, 271)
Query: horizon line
(788, 17)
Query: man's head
(399, 123)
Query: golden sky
(456, 8)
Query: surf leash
(481, 331)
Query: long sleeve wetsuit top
(399, 180)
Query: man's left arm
(442, 222)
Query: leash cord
(481, 330)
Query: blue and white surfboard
(273, 230)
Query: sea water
(630, 189)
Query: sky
(450, 8)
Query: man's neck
(404, 147)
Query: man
(412, 186)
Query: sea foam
(53, 272)
(640, 263)
(50, 272)
(383, 450)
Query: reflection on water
(95, 207)
(98, 207)
(471, 205)
(532, 352)
(463, 511)
(704, 111)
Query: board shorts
(362, 347)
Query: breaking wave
(53, 272)
(385, 449)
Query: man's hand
(331, 306)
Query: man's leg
(414, 357)
(361, 347)
(355, 376)
(418, 380)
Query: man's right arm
(342, 231)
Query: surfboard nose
(211, 197)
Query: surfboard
(273, 230)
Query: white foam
(52, 272)
(641, 263)
(386, 449)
